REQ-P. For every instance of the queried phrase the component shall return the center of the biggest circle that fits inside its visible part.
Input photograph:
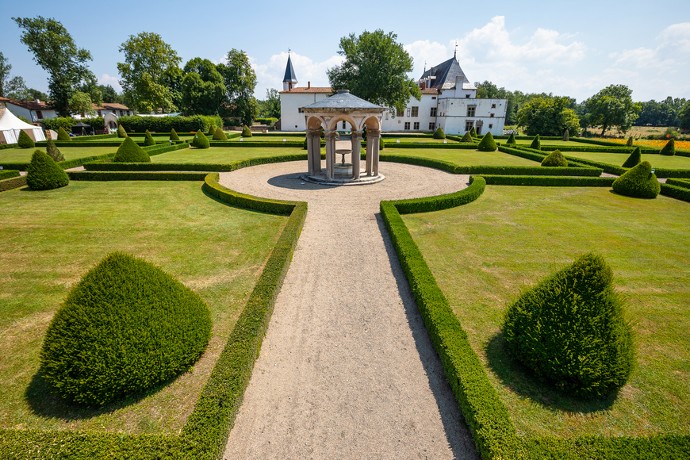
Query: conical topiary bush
(511, 139)
(148, 139)
(246, 132)
(173, 135)
(63, 135)
(200, 141)
(130, 152)
(439, 134)
(566, 135)
(44, 174)
(24, 141)
(211, 129)
(669, 149)
(629, 142)
(554, 158)
(53, 152)
(125, 328)
(570, 330)
(219, 135)
(121, 133)
(473, 132)
(536, 143)
(467, 138)
(487, 144)
(634, 159)
(638, 182)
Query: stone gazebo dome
(360, 114)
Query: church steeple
(289, 80)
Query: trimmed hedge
(467, 137)
(536, 143)
(219, 135)
(136, 175)
(439, 202)
(669, 149)
(8, 173)
(556, 159)
(173, 135)
(139, 124)
(130, 152)
(11, 183)
(121, 133)
(678, 182)
(24, 141)
(639, 182)
(671, 190)
(549, 181)
(241, 200)
(62, 135)
(634, 159)
(487, 144)
(608, 168)
(511, 140)
(246, 132)
(200, 141)
(44, 174)
(53, 152)
(439, 134)
(125, 328)
(148, 139)
(570, 330)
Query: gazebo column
(373, 143)
(356, 147)
(314, 151)
(330, 153)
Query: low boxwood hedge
(446, 201)
(11, 183)
(679, 182)
(555, 181)
(671, 190)
(135, 175)
(7, 173)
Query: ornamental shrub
(305, 146)
(219, 135)
(382, 145)
(634, 159)
(638, 182)
(629, 142)
(554, 158)
(121, 133)
(487, 144)
(126, 327)
(211, 129)
(669, 149)
(200, 141)
(536, 143)
(467, 138)
(53, 152)
(246, 132)
(511, 139)
(148, 139)
(570, 330)
(24, 141)
(62, 135)
(173, 135)
(473, 132)
(566, 135)
(44, 174)
(130, 152)
(439, 134)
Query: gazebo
(360, 114)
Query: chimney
(308, 84)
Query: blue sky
(566, 48)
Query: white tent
(10, 126)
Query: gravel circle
(346, 368)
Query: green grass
(158, 137)
(223, 155)
(417, 140)
(527, 142)
(485, 253)
(51, 239)
(462, 156)
(617, 159)
(271, 138)
(70, 153)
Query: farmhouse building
(448, 101)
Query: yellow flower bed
(655, 143)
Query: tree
(109, 94)
(16, 89)
(375, 69)
(55, 51)
(548, 116)
(5, 68)
(81, 103)
(203, 89)
(145, 74)
(240, 81)
(684, 116)
(271, 106)
(612, 107)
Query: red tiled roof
(309, 90)
(30, 105)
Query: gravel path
(346, 369)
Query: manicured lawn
(139, 139)
(659, 161)
(271, 138)
(462, 156)
(417, 140)
(24, 155)
(223, 155)
(486, 253)
(51, 239)
(527, 142)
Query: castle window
(490, 126)
(491, 115)
(407, 126)
(408, 112)
(493, 106)
(432, 126)
(467, 96)
(416, 126)
(469, 125)
(471, 110)
(433, 111)
(415, 111)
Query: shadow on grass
(45, 403)
(519, 379)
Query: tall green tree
(109, 94)
(612, 107)
(240, 81)
(55, 51)
(80, 102)
(16, 89)
(203, 88)
(684, 116)
(548, 116)
(146, 73)
(270, 107)
(5, 68)
(375, 69)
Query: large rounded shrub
(44, 174)
(130, 152)
(570, 330)
(634, 159)
(246, 132)
(219, 135)
(439, 134)
(121, 133)
(554, 158)
(126, 327)
(63, 135)
(200, 141)
(24, 141)
(487, 144)
(669, 149)
(638, 182)
(536, 143)
(148, 139)
(53, 152)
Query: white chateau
(448, 100)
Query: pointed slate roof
(343, 100)
(290, 76)
(446, 74)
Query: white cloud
(107, 79)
